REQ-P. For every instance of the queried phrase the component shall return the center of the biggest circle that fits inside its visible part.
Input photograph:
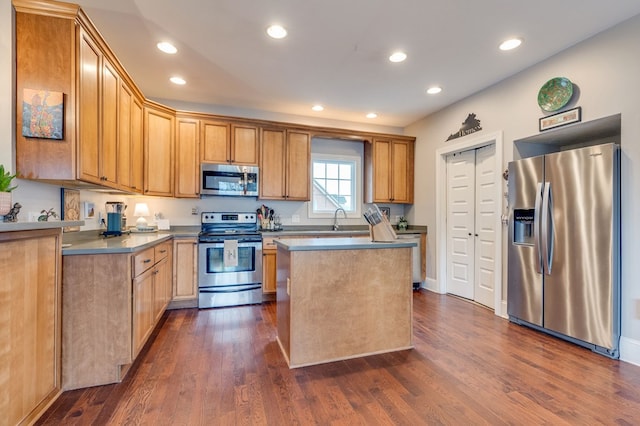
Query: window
(335, 183)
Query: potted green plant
(5, 190)
(402, 224)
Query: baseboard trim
(431, 285)
(630, 350)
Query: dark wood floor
(223, 366)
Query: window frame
(357, 186)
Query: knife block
(382, 232)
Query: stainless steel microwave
(228, 179)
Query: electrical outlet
(397, 218)
(195, 211)
(295, 218)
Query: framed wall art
(70, 200)
(42, 114)
(561, 119)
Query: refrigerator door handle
(536, 228)
(547, 227)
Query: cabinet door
(161, 282)
(187, 181)
(109, 135)
(215, 142)
(272, 164)
(142, 309)
(298, 170)
(382, 171)
(30, 323)
(130, 157)
(269, 271)
(88, 110)
(244, 145)
(158, 152)
(185, 269)
(124, 138)
(402, 172)
(137, 146)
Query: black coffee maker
(116, 220)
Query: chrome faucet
(335, 218)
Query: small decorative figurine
(46, 214)
(12, 216)
(403, 224)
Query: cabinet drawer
(143, 261)
(268, 243)
(161, 251)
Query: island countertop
(355, 243)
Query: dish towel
(230, 253)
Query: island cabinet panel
(285, 165)
(185, 273)
(389, 171)
(367, 293)
(158, 150)
(187, 181)
(111, 304)
(30, 323)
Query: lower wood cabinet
(29, 323)
(185, 273)
(111, 304)
(269, 270)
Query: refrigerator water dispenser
(523, 226)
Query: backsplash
(35, 196)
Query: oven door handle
(222, 290)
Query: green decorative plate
(555, 94)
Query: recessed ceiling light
(317, 108)
(372, 115)
(434, 90)
(398, 57)
(167, 47)
(277, 31)
(178, 80)
(510, 44)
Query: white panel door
(485, 226)
(460, 223)
(471, 224)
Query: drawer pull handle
(146, 261)
(163, 251)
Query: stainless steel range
(229, 259)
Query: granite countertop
(311, 244)
(91, 242)
(33, 226)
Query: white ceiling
(336, 52)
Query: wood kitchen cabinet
(159, 124)
(234, 143)
(389, 169)
(284, 165)
(111, 304)
(59, 49)
(185, 273)
(130, 140)
(30, 266)
(187, 173)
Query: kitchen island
(341, 298)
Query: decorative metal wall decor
(469, 126)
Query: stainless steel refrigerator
(564, 245)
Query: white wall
(605, 69)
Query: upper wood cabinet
(159, 126)
(224, 142)
(284, 164)
(58, 49)
(389, 168)
(130, 142)
(187, 180)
